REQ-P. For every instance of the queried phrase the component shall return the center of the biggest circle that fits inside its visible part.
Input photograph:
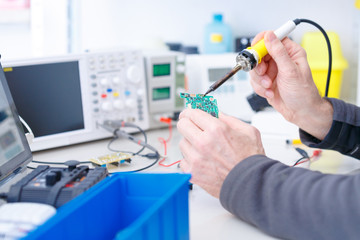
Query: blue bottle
(218, 37)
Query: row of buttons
(108, 106)
(112, 63)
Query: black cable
(59, 163)
(149, 166)
(297, 161)
(115, 137)
(297, 22)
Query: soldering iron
(250, 57)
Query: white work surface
(208, 220)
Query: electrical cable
(59, 163)
(164, 142)
(300, 20)
(316, 154)
(115, 128)
(298, 161)
(149, 166)
(115, 137)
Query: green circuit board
(199, 101)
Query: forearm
(292, 203)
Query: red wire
(316, 153)
(164, 142)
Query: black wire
(114, 150)
(297, 21)
(298, 161)
(116, 137)
(142, 169)
(59, 163)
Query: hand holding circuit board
(199, 101)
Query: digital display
(161, 70)
(48, 96)
(218, 73)
(161, 93)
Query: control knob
(118, 104)
(106, 106)
(133, 73)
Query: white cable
(30, 135)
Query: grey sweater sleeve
(344, 135)
(295, 203)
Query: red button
(103, 95)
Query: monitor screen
(47, 96)
(14, 149)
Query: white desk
(208, 220)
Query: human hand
(211, 147)
(284, 78)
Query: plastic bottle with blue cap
(218, 36)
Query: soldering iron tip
(207, 92)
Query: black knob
(58, 175)
(72, 164)
(50, 179)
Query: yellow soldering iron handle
(281, 33)
(260, 49)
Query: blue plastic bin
(124, 206)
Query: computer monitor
(15, 152)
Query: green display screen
(161, 70)
(161, 93)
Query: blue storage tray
(124, 206)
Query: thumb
(232, 122)
(277, 50)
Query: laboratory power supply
(66, 99)
(165, 78)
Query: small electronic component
(199, 101)
(118, 157)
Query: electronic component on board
(199, 101)
(118, 157)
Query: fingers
(185, 167)
(234, 123)
(262, 85)
(200, 118)
(188, 152)
(261, 68)
(188, 129)
(277, 50)
(257, 38)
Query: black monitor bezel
(24, 157)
